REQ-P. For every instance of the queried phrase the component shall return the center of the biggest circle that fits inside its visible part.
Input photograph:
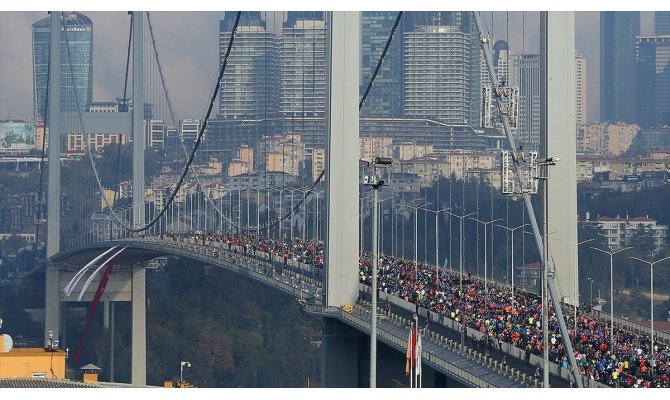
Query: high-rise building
(526, 75)
(618, 30)
(653, 80)
(442, 67)
(437, 79)
(662, 23)
(249, 85)
(501, 64)
(580, 81)
(76, 63)
(386, 95)
(303, 77)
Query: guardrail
(301, 274)
(245, 266)
(465, 351)
(433, 360)
(474, 334)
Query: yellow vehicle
(346, 308)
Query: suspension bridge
(326, 210)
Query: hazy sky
(188, 47)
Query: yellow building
(32, 363)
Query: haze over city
(192, 51)
(463, 212)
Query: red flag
(410, 360)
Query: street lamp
(375, 181)
(485, 223)
(437, 243)
(512, 230)
(361, 218)
(651, 267)
(576, 280)
(591, 293)
(460, 253)
(611, 254)
(181, 369)
(416, 237)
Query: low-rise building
(621, 232)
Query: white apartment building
(621, 232)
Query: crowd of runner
(626, 363)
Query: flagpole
(411, 364)
(408, 355)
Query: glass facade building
(386, 95)
(662, 23)
(618, 30)
(76, 71)
(303, 77)
(248, 88)
(653, 80)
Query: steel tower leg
(343, 75)
(139, 335)
(52, 303)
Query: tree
(643, 240)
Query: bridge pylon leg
(139, 326)
(52, 306)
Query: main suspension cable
(360, 106)
(193, 152)
(40, 193)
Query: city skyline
(192, 69)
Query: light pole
(485, 223)
(591, 293)
(512, 230)
(437, 243)
(375, 181)
(416, 233)
(576, 280)
(361, 218)
(611, 254)
(181, 369)
(460, 252)
(651, 267)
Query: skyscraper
(386, 96)
(249, 85)
(662, 23)
(450, 40)
(303, 77)
(437, 79)
(76, 63)
(500, 64)
(618, 30)
(580, 81)
(526, 75)
(653, 80)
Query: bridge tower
(342, 346)
(558, 139)
(129, 123)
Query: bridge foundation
(139, 326)
(346, 361)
